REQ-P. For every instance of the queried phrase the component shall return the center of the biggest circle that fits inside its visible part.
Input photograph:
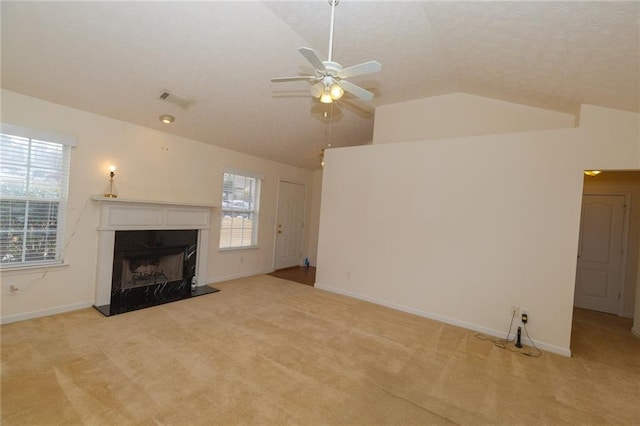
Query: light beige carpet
(267, 351)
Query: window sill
(30, 269)
(228, 249)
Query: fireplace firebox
(152, 267)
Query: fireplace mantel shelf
(150, 202)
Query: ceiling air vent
(185, 103)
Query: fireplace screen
(152, 266)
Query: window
(34, 176)
(240, 199)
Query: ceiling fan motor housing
(332, 67)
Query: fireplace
(150, 253)
(152, 266)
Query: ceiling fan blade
(316, 89)
(300, 77)
(358, 91)
(312, 57)
(360, 69)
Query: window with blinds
(240, 199)
(34, 178)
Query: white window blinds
(34, 178)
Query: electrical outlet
(515, 312)
(524, 315)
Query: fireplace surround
(149, 253)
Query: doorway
(601, 253)
(624, 183)
(290, 225)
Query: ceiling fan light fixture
(336, 91)
(326, 98)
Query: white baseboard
(636, 331)
(76, 306)
(240, 275)
(463, 324)
(44, 312)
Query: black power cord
(538, 351)
(505, 343)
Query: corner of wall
(611, 138)
(313, 219)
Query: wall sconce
(112, 173)
(592, 172)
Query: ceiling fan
(329, 76)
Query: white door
(290, 225)
(600, 253)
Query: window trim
(258, 177)
(67, 143)
(40, 135)
(227, 249)
(21, 268)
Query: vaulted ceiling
(115, 58)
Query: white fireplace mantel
(118, 214)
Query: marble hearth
(149, 253)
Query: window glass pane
(12, 221)
(45, 183)
(236, 238)
(246, 236)
(40, 246)
(239, 207)
(46, 155)
(13, 180)
(14, 150)
(33, 184)
(42, 215)
(12, 215)
(10, 247)
(236, 221)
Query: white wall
(462, 229)
(627, 184)
(610, 138)
(313, 219)
(151, 165)
(460, 114)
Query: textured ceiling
(114, 59)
